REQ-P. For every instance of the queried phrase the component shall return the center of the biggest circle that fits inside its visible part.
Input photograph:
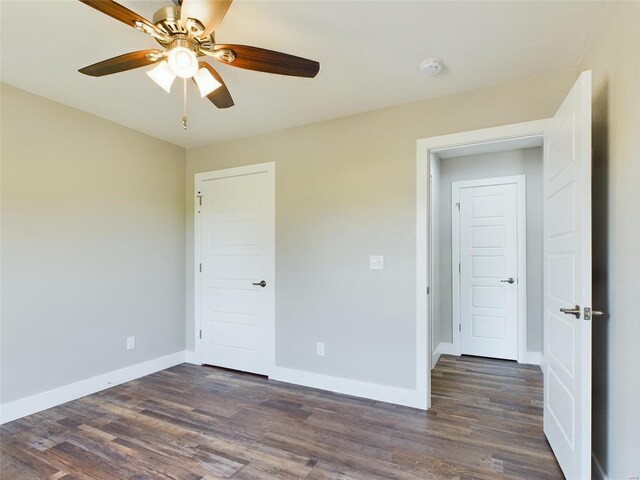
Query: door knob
(260, 284)
(508, 280)
(572, 311)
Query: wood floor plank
(193, 423)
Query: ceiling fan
(186, 31)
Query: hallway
(496, 407)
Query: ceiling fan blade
(117, 11)
(121, 63)
(209, 12)
(220, 97)
(254, 58)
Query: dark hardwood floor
(191, 422)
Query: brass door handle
(572, 311)
(260, 284)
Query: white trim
(532, 358)
(424, 147)
(51, 398)
(443, 348)
(521, 214)
(455, 270)
(191, 357)
(423, 329)
(270, 169)
(356, 388)
(436, 356)
(433, 252)
(597, 472)
(514, 131)
(447, 348)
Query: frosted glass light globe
(183, 62)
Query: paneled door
(235, 269)
(567, 309)
(489, 265)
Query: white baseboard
(57, 396)
(448, 349)
(597, 473)
(374, 391)
(435, 356)
(532, 358)
(443, 348)
(191, 357)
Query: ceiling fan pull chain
(184, 103)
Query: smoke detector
(431, 66)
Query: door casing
(425, 147)
(269, 169)
(521, 211)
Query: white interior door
(236, 304)
(488, 232)
(567, 243)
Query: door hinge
(200, 334)
(427, 290)
(459, 327)
(200, 268)
(199, 196)
(458, 205)
(459, 267)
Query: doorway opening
(432, 153)
(486, 250)
(567, 265)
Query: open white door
(567, 309)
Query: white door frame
(431, 273)
(521, 212)
(199, 178)
(424, 148)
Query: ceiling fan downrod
(184, 103)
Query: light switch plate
(376, 262)
(320, 349)
(131, 343)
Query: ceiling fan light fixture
(163, 75)
(186, 32)
(183, 61)
(206, 82)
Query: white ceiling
(369, 54)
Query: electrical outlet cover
(376, 262)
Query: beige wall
(92, 245)
(614, 57)
(345, 189)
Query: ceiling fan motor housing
(168, 20)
